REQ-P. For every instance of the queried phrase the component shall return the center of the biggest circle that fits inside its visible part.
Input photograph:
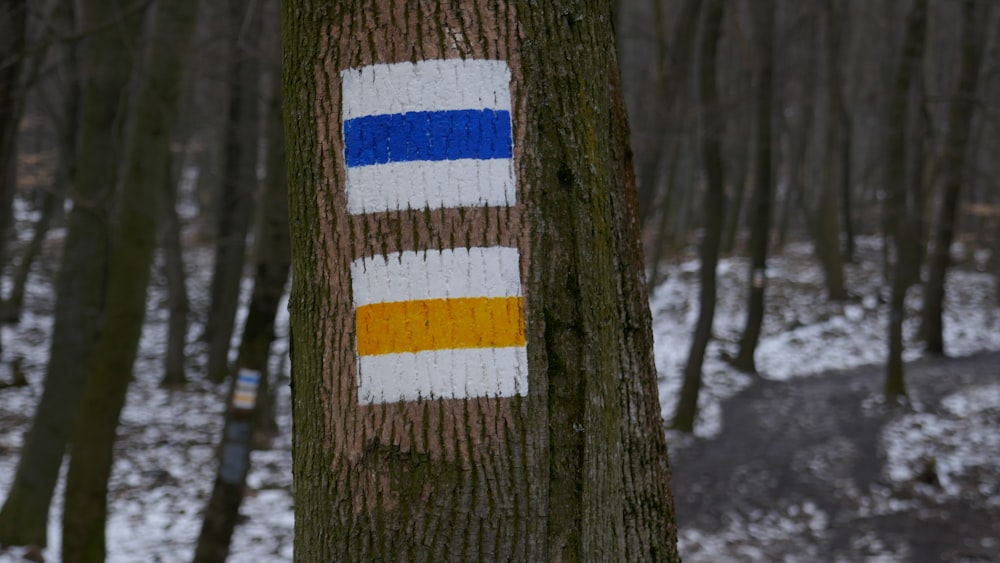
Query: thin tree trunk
(663, 238)
(899, 220)
(798, 150)
(178, 304)
(246, 417)
(13, 28)
(104, 72)
(963, 107)
(735, 210)
(714, 204)
(763, 11)
(842, 118)
(14, 304)
(827, 213)
(673, 69)
(130, 261)
(560, 455)
(238, 186)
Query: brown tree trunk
(826, 223)
(539, 438)
(761, 227)
(673, 69)
(247, 416)
(714, 205)
(104, 68)
(10, 310)
(13, 28)
(110, 370)
(899, 213)
(239, 184)
(178, 304)
(963, 107)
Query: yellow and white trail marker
(440, 324)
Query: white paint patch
(436, 85)
(437, 374)
(437, 274)
(430, 184)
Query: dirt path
(798, 474)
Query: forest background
(858, 137)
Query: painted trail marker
(431, 323)
(430, 134)
(245, 393)
(440, 324)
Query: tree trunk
(238, 185)
(248, 399)
(10, 310)
(799, 135)
(104, 71)
(740, 169)
(826, 223)
(110, 370)
(13, 28)
(761, 227)
(899, 218)
(842, 118)
(532, 432)
(963, 107)
(673, 69)
(178, 304)
(714, 203)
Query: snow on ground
(946, 441)
(803, 333)
(158, 489)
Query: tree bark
(13, 28)
(178, 304)
(899, 218)
(761, 228)
(962, 108)
(673, 68)
(10, 310)
(243, 419)
(835, 32)
(552, 449)
(104, 71)
(130, 260)
(239, 185)
(828, 212)
(714, 204)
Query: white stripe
(443, 374)
(430, 184)
(434, 85)
(437, 274)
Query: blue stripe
(248, 377)
(428, 135)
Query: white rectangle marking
(430, 184)
(435, 85)
(443, 374)
(437, 274)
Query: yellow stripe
(439, 324)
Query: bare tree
(953, 158)
(714, 209)
(131, 254)
(760, 233)
(900, 208)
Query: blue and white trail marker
(431, 134)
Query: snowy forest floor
(803, 462)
